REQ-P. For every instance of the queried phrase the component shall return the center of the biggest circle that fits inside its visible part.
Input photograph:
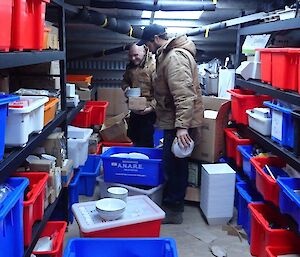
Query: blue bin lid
(5, 99)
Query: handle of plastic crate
(168, 250)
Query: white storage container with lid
(260, 120)
(24, 117)
(78, 144)
(142, 218)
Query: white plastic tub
(154, 193)
(260, 120)
(23, 120)
(78, 144)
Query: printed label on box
(277, 125)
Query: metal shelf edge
(263, 88)
(72, 113)
(12, 162)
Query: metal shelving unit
(262, 88)
(73, 111)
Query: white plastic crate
(24, 120)
(142, 218)
(260, 120)
(217, 192)
(154, 193)
(78, 144)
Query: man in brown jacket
(179, 109)
(139, 73)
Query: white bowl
(118, 193)
(110, 208)
(133, 92)
(182, 153)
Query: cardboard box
(212, 142)
(192, 194)
(115, 129)
(116, 99)
(42, 165)
(194, 174)
(85, 94)
(137, 103)
(4, 84)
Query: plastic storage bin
(83, 118)
(289, 197)
(246, 195)
(79, 78)
(242, 100)
(273, 251)
(107, 145)
(56, 230)
(73, 193)
(50, 110)
(23, 120)
(5, 21)
(282, 130)
(146, 247)
(28, 24)
(154, 193)
(98, 111)
(34, 205)
(265, 184)
(262, 235)
(11, 219)
(266, 65)
(260, 120)
(232, 142)
(88, 173)
(158, 135)
(296, 118)
(78, 144)
(246, 152)
(142, 218)
(4, 101)
(133, 171)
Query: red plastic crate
(265, 184)
(232, 142)
(110, 144)
(98, 111)
(83, 118)
(55, 230)
(262, 235)
(273, 251)
(28, 24)
(99, 149)
(34, 205)
(266, 67)
(242, 100)
(285, 68)
(5, 21)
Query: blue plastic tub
(73, 192)
(289, 200)
(11, 219)
(133, 171)
(246, 195)
(88, 173)
(158, 135)
(282, 124)
(4, 101)
(246, 151)
(125, 247)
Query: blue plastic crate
(246, 195)
(11, 219)
(4, 101)
(73, 192)
(88, 173)
(289, 200)
(246, 151)
(117, 247)
(158, 135)
(133, 171)
(286, 137)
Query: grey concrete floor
(193, 238)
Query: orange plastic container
(262, 235)
(266, 67)
(242, 100)
(232, 142)
(55, 230)
(50, 110)
(34, 204)
(28, 24)
(79, 78)
(5, 21)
